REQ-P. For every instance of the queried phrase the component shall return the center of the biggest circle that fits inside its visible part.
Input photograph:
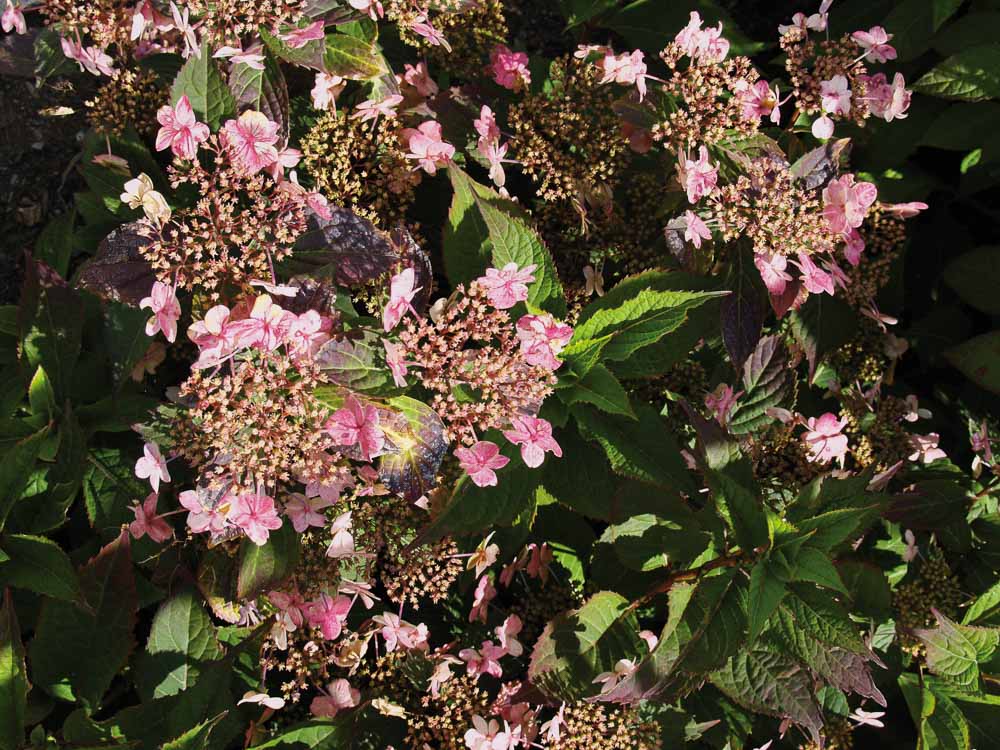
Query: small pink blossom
(925, 448)
(342, 540)
(814, 22)
(419, 77)
(823, 438)
(845, 203)
(262, 699)
(13, 19)
(904, 210)
(542, 338)
(486, 735)
(328, 614)
(91, 59)
(721, 402)
(608, 680)
(534, 435)
(822, 127)
(698, 178)
(148, 522)
(486, 124)
(481, 461)
(357, 424)
(481, 599)
(266, 329)
(702, 45)
(338, 695)
(760, 100)
(252, 137)
(626, 68)
(180, 132)
(510, 69)
(201, 519)
(325, 90)
(298, 38)
(854, 245)
(507, 635)
(152, 466)
(814, 279)
(306, 511)
(372, 110)
(695, 230)
(397, 632)
(875, 43)
(772, 271)
(484, 556)
(507, 286)
(835, 95)
(256, 515)
(860, 717)
(166, 310)
(912, 550)
(372, 7)
(395, 358)
(182, 22)
(238, 56)
(552, 729)
(540, 555)
(890, 101)
(307, 334)
(427, 147)
(212, 336)
(484, 660)
(401, 294)
(650, 639)
(360, 590)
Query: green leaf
(109, 488)
(639, 321)
(482, 225)
(205, 87)
(13, 679)
(349, 57)
(985, 609)
(15, 469)
(972, 75)
(353, 364)
(582, 478)
(580, 11)
(317, 734)
(56, 242)
(263, 566)
(41, 397)
(196, 738)
(741, 508)
(40, 565)
(963, 126)
(979, 360)
(647, 542)
(182, 640)
(939, 721)
(580, 357)
(766, 383)
(602, 389)
(76, 653)
(975, 277)
(50, 60)
(913, 24)
(124, 334)
(955, 651)
(835, 527)
(766, 592)
(773, 684)
(415, 446)
(309, 55)
(472, 509)
(578, 646)
(821, 325)
(815, 566)
(643, 450)
(51, 325)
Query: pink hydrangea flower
(534, 435)
(401, 294)
(357, 424)
(256, 515)
(427, 147)
(845, 203)
(212, 337)
(306, 511)
(238, 56)
(148, 522)
(486, 735)
(372, 7)
(772, 271)
(507, 286)
(13, 19)
(814, 279)
(875, 43)
(542, 338)
(721, 402)
(166, 310)
(481, 598)
(180, 132)
(372, 110)
(823, 438)
(702, 45)
(95, 61)
(510, 69)
(307, 334)
(925, 448)
(395, 358)
(822, 127)
(835, 95)
(267, 328)
(252, 138)
(341, 540)
(419, 77)
(152, 466)
(298, 38)
(905, 210)
(760, 100)
(486, 124)
(507, 635)
(481, 461)
(328, 614)
(338, 695)
(484, 660)
(325, 90)
(890, 101)
(201, 519)
(695, 230)
(698, 178)
(626, 68)
(397, 632)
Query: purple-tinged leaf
(817, 167)
(416, 445)
(118, 270)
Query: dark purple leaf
(930, 505)
(118, 270)
(353, 363)
(820, 165)
(782, 303)
(743, 312)
(416, 444)
(313, 294)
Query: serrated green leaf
(955, 651)
(263, 566)
(766, 382)
(766, 592)
(40, 565)
(971, 75)
(317, 734)
(647, 542)
(349, 57)
(15, 469)
(353, 364)
(602, 389)
(578, 646)
(13, 679)
(811, 564)
(202, 82)
(939, 721)
(196, 738)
